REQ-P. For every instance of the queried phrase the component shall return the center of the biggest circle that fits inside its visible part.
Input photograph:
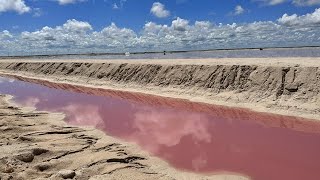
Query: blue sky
(169, 17)
(134, 13)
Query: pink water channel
(190, 136)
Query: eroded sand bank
(40, 145)
(288, 86)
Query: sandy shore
(40, 145)
(287, 86)
(290, 61)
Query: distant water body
(247, 53)
(303, 52)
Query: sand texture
(39, 145)
(288, 86)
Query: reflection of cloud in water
(30, 101)
(167, 127)
(199, 162)
(4, 80)
(80, 114)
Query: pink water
(190, 136)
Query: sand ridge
(40, 145)
(281, 61)
(288, 86)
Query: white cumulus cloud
(5, 34)
(14, 5)
(275, 2)
(312, 19)
(77, 26)
(159, 10)
(181, 34)
(119, 5)
(306, 2)
(64, 2)
(295, 2)
(271, 2)
(71, 34)
(180, 24)
(238, 10)
(115, 6)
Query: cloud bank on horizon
(166, 31)
(295, 2)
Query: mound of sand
(288, 86)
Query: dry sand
(288, 86)
(290, 61)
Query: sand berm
(40, 145)
(288, 86)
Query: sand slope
(284, 86)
